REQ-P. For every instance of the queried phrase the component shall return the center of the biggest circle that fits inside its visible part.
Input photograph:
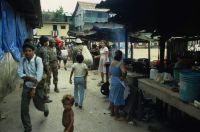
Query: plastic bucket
(189, 86)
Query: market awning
(165, 18)
(108, 31)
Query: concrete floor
(94, 117)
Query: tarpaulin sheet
(22, 31)
(9, 30)
(1, 51)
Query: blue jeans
(79, 90)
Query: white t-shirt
(79, 69)
(104, 55)
(103, 50)
(64, 53)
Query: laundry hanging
(21, 31)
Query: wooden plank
(164, 93)
(136, 75)
(132, 78)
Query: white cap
(78, 41)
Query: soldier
(43, 53)
(53, 63)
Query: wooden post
(126, 43)
(131, 51)
(118, 45)
(162, 53)
(149, 51)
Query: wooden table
(131, 104)
(133, 78)
(134, 74)
(164, 93)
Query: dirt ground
(94, 117)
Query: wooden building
(85, 16)
(53, 29)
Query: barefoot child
(68, 114)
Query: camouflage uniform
(53, 63)
(43, 53)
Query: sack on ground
(88, 60)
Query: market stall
(131, 103)
(165, 93)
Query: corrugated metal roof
(55, 22)
(98, 10)
(86, 5)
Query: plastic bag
(88, 60)
(167, 77)
(126, 88)
(64, 53)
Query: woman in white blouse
(103, 59)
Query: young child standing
(68, 114)
(80, 71)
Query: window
(88, 14)
(100, 15)
(54, 27)
(63, 27)
(194, 45)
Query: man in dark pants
(30, 69)
(53, 63)
(43, 53)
